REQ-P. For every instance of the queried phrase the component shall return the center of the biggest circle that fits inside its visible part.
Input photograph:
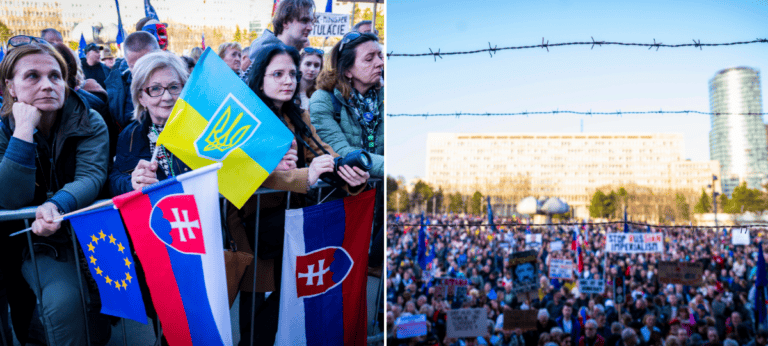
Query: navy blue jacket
(132, 146)
(575, 328)
(119, 91)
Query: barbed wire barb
(599, 43)
(491, 51)
(545, 45)
(436, 55)
(698, 44)
(390, 54)
(657, 45)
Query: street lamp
(714, 197)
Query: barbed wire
(491, 50)
(590, 113)
(517, 225)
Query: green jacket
(343, 133)
(79, 151)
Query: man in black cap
(93, 68)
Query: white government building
(570, 166)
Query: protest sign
(523, 319)
(634, 242)
(463, 323)
(685, 273)
(533, 241)
(740, 236)
(525, 271)
(561, 269)
(556, 245)
(591, 286)
(410, 326)
(445, 287)
(331, 24)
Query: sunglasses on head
(314, 50)
(23, 40)
(349, 37)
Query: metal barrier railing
(28, 213)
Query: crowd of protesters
(649, 312)
(75, 130)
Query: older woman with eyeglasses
(53, 153)
(158, 79)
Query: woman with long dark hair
(275, 78)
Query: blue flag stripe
(324, 225)
(188, 270)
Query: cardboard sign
(634, 242)
(740, 236)
(685, 273)
(445, 287)
(463, 323)
(331, 24)
(533, 241)
(525, 271)
(556, 245)
(561, 269)
(523, 319)
(410, 326)
(591, 286)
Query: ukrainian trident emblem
(230, 127)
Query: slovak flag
(575, 239)
(581, 257)
(325, 262)
(176, 231)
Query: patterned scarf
(366, 110)
(163, 158)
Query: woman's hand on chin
(26, 118)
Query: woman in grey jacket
(348, 108)
(52, 154)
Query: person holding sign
(53, 153)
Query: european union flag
(81, 47)
(106, 248)
(422, 257)
(119, 40)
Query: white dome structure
(528, 206)
(94, 32)
(554, 206)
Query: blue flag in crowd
(760, 283)
(422, 257)
(81, 47)
(649, 229)
(2, 53)
(120, 37)
(149, 11)
(492, 295)
(102, 236)
(490, 216)
(626, 225)
(329, 6)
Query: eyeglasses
(280, 75)
(23, 40)
(159, 90)
(314, 50)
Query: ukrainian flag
(217, 118)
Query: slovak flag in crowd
(176, 231)
(325, 262)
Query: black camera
(358, 158)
